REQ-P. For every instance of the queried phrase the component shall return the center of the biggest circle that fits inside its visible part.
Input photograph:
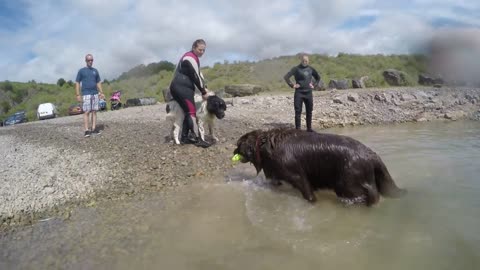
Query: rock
(356, 83)
(380, 97)
(353, 97)
(338, 84)
(242, 90)
(359, 83)
(340, 99)
(394, 77)
(454, 115)
(321, 86)
(140, 101)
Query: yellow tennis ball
(236, 157)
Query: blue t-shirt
(88, 78)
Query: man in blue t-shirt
(89, 80)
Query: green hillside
(150, 80)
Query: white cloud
(124, 33)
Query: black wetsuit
(187, 76)
(308, 78)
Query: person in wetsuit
(306, 79)
(186, 78)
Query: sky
(47, 40)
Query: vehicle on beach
(46, 111)
(16, 118)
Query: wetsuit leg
(184, 97)
(309, 108)
(297, 104)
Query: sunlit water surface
(244, 223)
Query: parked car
(46, 111)
(16, 118)
(75, 109)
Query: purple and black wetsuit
(187, 76)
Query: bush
(61, 82)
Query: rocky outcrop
(395, 77)
(427, 80)
(140, 101)
(242, 90)
(338, 84)
(359, 83)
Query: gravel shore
(48, 167)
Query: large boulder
(424, 79)
(320, 86)
(140, 101)
(338, 84)
(359, 83)
(395, 77)
(242, 90)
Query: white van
(46, 110)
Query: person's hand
(311, 85)
(295, 86)
(101, 96)
(79, 98)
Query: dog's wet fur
(207, 111)
(310, 161)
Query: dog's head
(216, 106)
(247, 148)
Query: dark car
(16, 118)
(75, 109)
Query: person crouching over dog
(304, 84)
(186, 77)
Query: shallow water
(243, 223)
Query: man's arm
(77, 91)
(99, 84)
(100, 90)
(287, 77)
(316, 76)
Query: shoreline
(49, 167)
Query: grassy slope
(269, 73)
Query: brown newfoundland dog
(311, 161)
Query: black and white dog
(207, 111)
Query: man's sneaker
(96, 132)
(203, 144)
(87, 133)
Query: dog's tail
(385, 184)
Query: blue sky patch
(446, 22)
(13, 15)
(357, 22)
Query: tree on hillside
(144, 71)
(7, 86)
(61, 82)
(4, 106)
(70, 83)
